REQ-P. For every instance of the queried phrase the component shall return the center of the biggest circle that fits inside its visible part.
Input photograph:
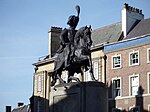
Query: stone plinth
(79, 97)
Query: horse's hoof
(52, 84)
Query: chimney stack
(8, 108)
(53, 41)
(20, 104)
(130, 17)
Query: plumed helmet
(73, 20)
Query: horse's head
(87, 36)
(83, 37)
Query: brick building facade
(126, 70)
(128, 74)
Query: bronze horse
(81, 58)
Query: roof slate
(107, 34)
(141, 29)
(24, 108)
(113, 33)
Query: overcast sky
(24, 28)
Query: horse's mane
(80, 31)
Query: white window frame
(148, 55)
(133, 64)
(130, 90)
(96, 69)
(39, 83)
(113, 88)
(65, 75)
(148, 82)
(115, 56)
(87, 76)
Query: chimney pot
(134, 9)
(129, 8)
(137, 10)
(20, 104)
(140, 11)
(125, 5)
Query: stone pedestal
(79, 97)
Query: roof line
(108, 25)
(128, 39)
(145, 18)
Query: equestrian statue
(74, 51)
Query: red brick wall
(125, 71)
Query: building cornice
(43, 62)
(97, 47)
(125, 40)
(127, 43)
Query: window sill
(137, 64)
(127, 97)
(116, 68)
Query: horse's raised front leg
(54, 78)
(60, 79)
(91, 69)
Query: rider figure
(67, 38)
(72, 22)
